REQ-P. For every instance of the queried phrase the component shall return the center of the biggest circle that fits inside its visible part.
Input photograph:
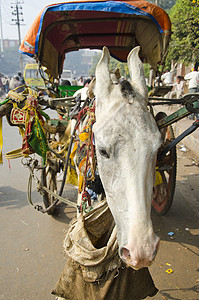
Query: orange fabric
(31, 35)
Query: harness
(29, 120)
(84, 152)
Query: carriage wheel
(49, 180)
(167, 166)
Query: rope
(29, 189)
(65, 200)
(14, 154)
(40, 188)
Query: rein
(88, 162)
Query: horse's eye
(104, 153)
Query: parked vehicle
(66, 75)
(32, 76)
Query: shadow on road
(63, 213)
(12, 198)
(182, 219)
(166, 293)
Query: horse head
(127, 140)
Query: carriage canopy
(119, 25)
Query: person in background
(91, 77)
(193, 87)
(184, 85)
(16, 83)
(178, 88)
(21, 78)
(80, 81)
(1, 85)
(193, 78)
(74, 81)
(5, 82)
(167, 77)
(12, 83)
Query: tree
(184, 45)
(165, 4)
(124, 71)
(113, 65)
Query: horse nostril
(127, 257)
(125, 253)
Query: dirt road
(31, 243)
(180, 253)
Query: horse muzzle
(139, 259)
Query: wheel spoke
(163, 193)
(49, 180)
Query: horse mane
(127, 90)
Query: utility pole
(17, 12)
(1, 25)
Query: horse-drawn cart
(70, 145)
(120, 26)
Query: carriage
(120, 26)
(62, 28)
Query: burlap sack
(93, 269)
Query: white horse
(127, 140)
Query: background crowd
(10, 83)
(182, 85)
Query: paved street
(180, 252)
(31, 243)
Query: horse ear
(91, 89)
(136, 70)
(103, 80)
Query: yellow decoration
(16, 96)
(72, 176)
(74, 151)
(32, 92)
(14, 154)
(83, 161)
(83, 136)
(158, 178)
(169, 271)
(21, 130)
(81, 181)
